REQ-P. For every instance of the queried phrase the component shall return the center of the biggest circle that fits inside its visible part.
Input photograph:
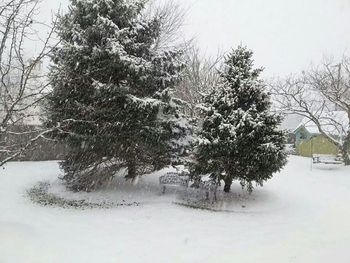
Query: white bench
(326, 159)
(173, 179)
(210, 187)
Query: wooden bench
(173, 179)
(326, 159)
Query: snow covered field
(299, 216)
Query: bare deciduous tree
(23, 84)
(322, 95)
(171, 18)
(199, 78)
(200, 74)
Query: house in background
(20, 92)
(26, 119)
(309, 140)
(290, 121)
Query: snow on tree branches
(239, 138)
(109, 76)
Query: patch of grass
(210, 207)
(39, 194)
(198, 205)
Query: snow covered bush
(239, 138)
(112, 93)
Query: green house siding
(316, 145)
(301, 134)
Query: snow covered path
(299, 216)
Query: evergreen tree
(239, 138)
(112, 93)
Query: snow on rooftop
(32, 121)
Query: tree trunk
(345, 149)
(131, 163)
(227, 187)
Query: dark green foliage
(239, 139)
(112, 93)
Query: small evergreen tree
(112, 93)
(239, 138)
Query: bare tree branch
(199, 78)
(319, 95)
(23, 82)
(171, 17)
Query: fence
(42, 149)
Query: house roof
(32, 121)
(334, 123)
(290, 122)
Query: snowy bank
(301, 215)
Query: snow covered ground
(301, 215)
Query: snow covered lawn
(299, 216)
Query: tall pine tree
(112, 93)
(239, 139)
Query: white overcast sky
(286, 36)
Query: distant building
(26, 121)
(36, 82)
(290, 122)
(26, 111)
(309, 140)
